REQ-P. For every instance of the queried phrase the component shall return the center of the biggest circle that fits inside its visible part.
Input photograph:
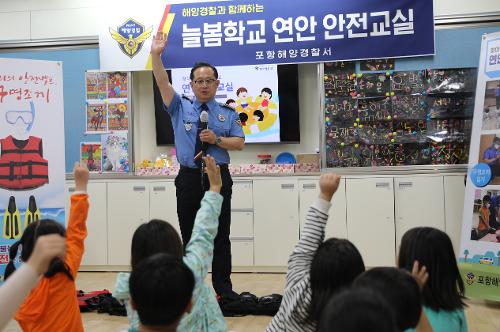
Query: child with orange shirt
(52, 305)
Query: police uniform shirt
(185, 115)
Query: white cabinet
(419, 203)
(96, 251)
(242, 228)
(163, 203)
(454, 192)
(370, 219)
(276, 220)
(308, 193)
(242, 253)
(242, 197)
(128, 207)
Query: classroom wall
(144, 121)
(24, 20)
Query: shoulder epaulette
(227, 106)
(187, 98)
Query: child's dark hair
(161, 287)
(259, 114)
(269, 91)
(335, 265)
(200, 65)
(433, 249)
(399, 289)
(27, 243)
(154, 237)
(486, 198)
(357, 310)
(230, 101)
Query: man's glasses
(204, 82)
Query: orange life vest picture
(22, 168)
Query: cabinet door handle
(405, 184)
(139, 188)
(287, 186)
(71, 190)
(309, 186)
(382, 185)
(159, 188)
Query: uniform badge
(188, 126)
(222, 118)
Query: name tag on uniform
(222, 118)
(188, 126)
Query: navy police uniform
(224, 122)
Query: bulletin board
(455, 48)
(76, 61)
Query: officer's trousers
(189, 194)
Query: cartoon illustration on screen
(22, 165)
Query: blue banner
(263, 32)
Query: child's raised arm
(199, 251)
(313, 232)
(77, 228)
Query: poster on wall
(115, 153)
(96, 85)
(118, 117)
(479, 256)
(97, 120)
(91, 156)
(252, 91)
(240, 32)
(31, 119)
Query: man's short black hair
(203, 64)
(161, 287)
(399, 289)
(496, 139)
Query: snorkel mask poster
(31, 148)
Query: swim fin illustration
(32, 212)
(12, 221)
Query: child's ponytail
(11, 268)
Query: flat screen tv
(266, 98)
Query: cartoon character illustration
(265, 99)
(263, 111)
(22, 165)
(243, 98)
(231, 102)
(121, 110)
(12, 220)
(32, 212)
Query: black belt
(223, 167)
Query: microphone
(203, 126)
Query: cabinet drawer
(242, 253)
(242, 195)
(241, 224)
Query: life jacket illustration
(22, 168)
(32, 212)
(12, 221)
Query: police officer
(224, 133)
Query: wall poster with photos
(395, 118)
(107, 115)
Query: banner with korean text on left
(32, 157)
(243, 32)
